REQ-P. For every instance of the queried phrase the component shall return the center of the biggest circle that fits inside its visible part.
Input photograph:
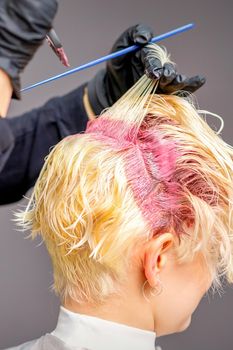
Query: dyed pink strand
(150, 164)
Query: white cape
(76, 331)
(47, 342)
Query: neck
(125, 310)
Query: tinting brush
(111, 56)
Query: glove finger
(152, 69)
(152, 66)
(181, 82)
(178, 83)
(168, 75)
(141, 34)
(194, 83)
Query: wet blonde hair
(88, 208)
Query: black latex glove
(23, 26)
(121, 73)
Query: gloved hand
(23, 26)
(121, 73)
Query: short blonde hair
(84, 204)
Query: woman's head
(143, 192)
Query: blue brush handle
(111, 56)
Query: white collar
(94, 333)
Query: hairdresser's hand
(121, 73)
(23, 26)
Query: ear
(155, 257)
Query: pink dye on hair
(150, 163)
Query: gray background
(88, 29)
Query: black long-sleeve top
(25, 141)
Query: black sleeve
(30, 138)
(6, 142)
